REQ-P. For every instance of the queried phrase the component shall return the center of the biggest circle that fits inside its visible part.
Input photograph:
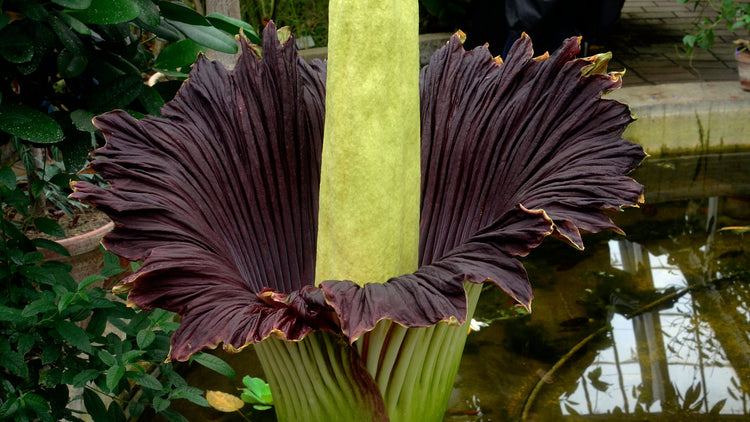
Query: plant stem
(415, 368)
(319, 378)
(403, 374)
(243, 416)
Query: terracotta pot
(743, 68)
(85, 255)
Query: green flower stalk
(354, 262)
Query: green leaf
(173, 416)
(71, 63)
(64, 301)
(10, 407)
(149, 12)
(131, 355)
(208, 36)
(51, 353)
(164, 30)
(144, 338)
(151, 100)
(160, 404)
(192, 394)
(75, 151)
(51, 246)
(118, 93)
(115, 413)
(112, 265)
(60, 271)
(49, 226)
(10, 314)
(74, 23)
(32, 258)
(145, 380)
(738, 25)
(179, 12)
(35, 402)
(39, 306)
(107, 358)
(74, 334)
(80, 379)
(15, 45)
(88, 281)
(179, 54)
(73, 4)
(20, 201)
(114, 375)
(94, 405)
(257, 391)
(37, 187)
(8, 178)
(689, 40)
(66, 36)
(14, 362)
(29, 124)
(214, 363)
(37, 274)
(83, 120)
(232, 26)
(107, 12)
(34, 10)
(4, 20)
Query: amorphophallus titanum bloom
(249, 224)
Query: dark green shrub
(64, 61)
(63, 342)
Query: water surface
(660, 319)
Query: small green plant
(256, 393)
(67, 348)
(735, 15)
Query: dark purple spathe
(219, 196)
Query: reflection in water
(675, 297)
(669, 360)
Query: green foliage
(64, 61)
(734, 14)
(256, 392)
(443, 9)
(67, 347)
(304, 17)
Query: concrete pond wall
(688, 118)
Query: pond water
(652, 326)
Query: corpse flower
(252, 229)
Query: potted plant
(62, 62)
(735, 15)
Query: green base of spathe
(318, 379)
